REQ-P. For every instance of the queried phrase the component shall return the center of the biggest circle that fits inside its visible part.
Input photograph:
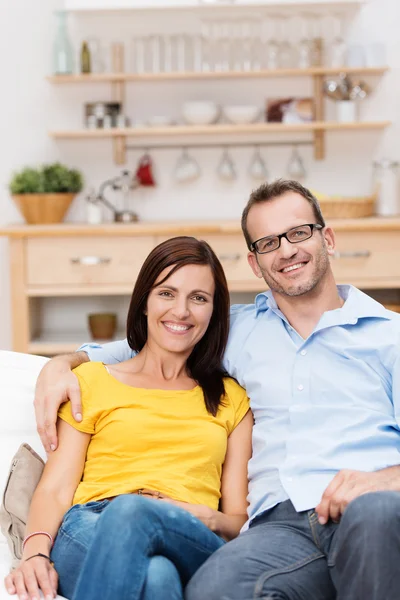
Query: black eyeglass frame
(312, 226)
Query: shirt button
(303, 352)
(300, 387)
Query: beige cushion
(24, 475)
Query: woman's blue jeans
(132, 548)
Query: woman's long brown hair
(205, 362)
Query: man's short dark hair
(270, 191)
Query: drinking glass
(222, 45)
(236, 46)
(203, 50)
(139, 52)
(270, 43)
(156, 53)
(317, 42)
(337, 48)
(286, 58)
(304, 53)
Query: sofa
(18, 374)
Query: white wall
(29, 106)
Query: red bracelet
(31, 535)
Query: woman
(156, 472)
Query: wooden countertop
(177, 228)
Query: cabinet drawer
(231, 250)
(363, 257)
(79, 261)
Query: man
(321, 365)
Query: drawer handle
(91, 261)
(233, 257)
(353, 254)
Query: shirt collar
(357, 305)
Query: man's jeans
(289, 556)
(132, 547)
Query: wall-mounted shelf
(318, 128)
(116, 5)
(144, 77)
(218, 129)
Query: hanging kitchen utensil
(226, 168)
(258, 169)
(144, 171)
(187, 168)
(295, 168)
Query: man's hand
(57, 384)
(348, 485)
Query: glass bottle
(86, 63)
(63, 54)
(317, 42)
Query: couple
(321, 366)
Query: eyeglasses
(294, 236)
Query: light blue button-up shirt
(323, 404)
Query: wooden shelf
(218, 129)
(123, 5)
(190, 75)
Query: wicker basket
(348, 208)
(40, 209)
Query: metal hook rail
(224, 145)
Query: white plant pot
(346, 111)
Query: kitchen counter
(74, 260)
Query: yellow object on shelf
(342, 207)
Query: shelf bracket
(118, 95)
(319, 136)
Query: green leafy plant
(48, 179)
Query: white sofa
(18, 374)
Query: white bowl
(241, 115)
(200, 113)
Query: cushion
(18, 374)
(23, 478)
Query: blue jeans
(287, 555)
(132, 547)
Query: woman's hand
(31, 576)
(205, 514)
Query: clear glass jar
(386, 184)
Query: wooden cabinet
(73, 261)
(370, 260)
(84, 262)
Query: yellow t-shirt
(162, 440)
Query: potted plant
(44, 194)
